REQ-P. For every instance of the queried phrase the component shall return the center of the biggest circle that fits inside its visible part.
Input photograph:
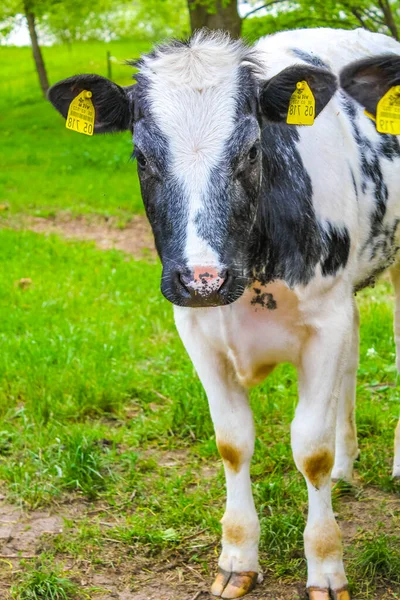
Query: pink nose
(207, 275)
(206, 279)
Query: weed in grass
(6, 440)
(41, 582)
(282, 533)
(190, 420)
(153, 540)
(83, 465)
(282, 542)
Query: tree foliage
(66, 21)
(72, 20)
(376, 15)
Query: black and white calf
(267, 230)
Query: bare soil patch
(124, 574)
(135, 238)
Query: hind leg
(395, 275)
(346, 446)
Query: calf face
(196, 115)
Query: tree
(215, 14)
(10, 10)
(36, 50)
(375, 15)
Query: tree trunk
(37, 53)
(389, 20)
(224, 16)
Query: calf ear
(113, 104)
(275, 93)
(368, 80)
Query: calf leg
(234, 429)
(313, 443)
(396, 462)
(346, 448)
(395, 275)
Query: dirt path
(136, 238)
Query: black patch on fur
(389, 147)
(337, 244)
(311, 59)
(286, 242)
(385, 245)
(354, 183)
(380, 243)
(164, 198)
(264, 299)
(371, 173)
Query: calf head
(196, 113)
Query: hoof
(342, 594)
(233, 585)
(315, 593)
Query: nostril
(184, 279)
(226, 278)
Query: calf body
(265, 231)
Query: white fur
(192, 95)
(336, 47)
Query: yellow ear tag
(388, 112)
(301, 106)
(81, 114)
(370, 116)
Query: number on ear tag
(301, 106)
(388, 112)
(81, 114)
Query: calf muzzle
(201, 286)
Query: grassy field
(108, 467)
(49, 168)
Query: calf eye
(253, 154)
(141, 160)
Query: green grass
(95, 384)
(41, 582)
(45, 167)
(379, 558)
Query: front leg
(346, 450)
(313, 442)
(234, 430)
